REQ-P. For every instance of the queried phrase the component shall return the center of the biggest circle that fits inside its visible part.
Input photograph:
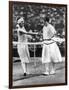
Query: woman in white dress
(50, 53)
(23, 48)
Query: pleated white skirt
(51, 53)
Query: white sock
(24, 66)
(47, 67)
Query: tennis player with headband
(23, 51)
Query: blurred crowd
(34, 19)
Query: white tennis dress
(23, 48)
(51, 52)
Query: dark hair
(18, 18)
(46, 19)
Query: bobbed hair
(46, 19)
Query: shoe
(46, 73)
(52, 72)
(25, 74)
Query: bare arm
(28, 33)
(22, 30)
